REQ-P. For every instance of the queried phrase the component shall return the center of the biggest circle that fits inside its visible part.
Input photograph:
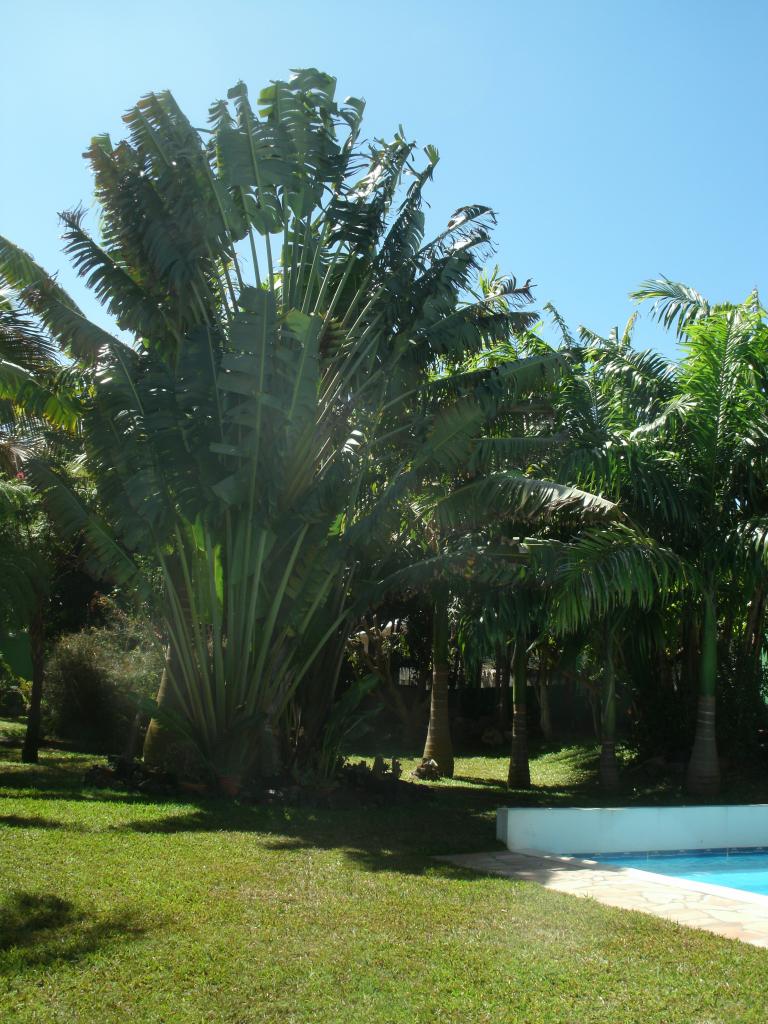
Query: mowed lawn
(117, 908)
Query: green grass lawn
(117, 908)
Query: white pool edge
(564, 831)
(754, 899)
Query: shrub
(95, 680)
(13, 703)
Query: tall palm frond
(674, 304)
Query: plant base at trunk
(703, 776)
(609, 769)
(519, 776)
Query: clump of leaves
(97, 678)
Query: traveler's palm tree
(275, 402)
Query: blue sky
(616, 140)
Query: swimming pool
(736, 868)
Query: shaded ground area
(40, 929)
(115, 906)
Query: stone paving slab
(713, 908)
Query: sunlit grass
(115, 908)
(564, 767)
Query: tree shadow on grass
(480, 780)
(38, 929)
(426, 821)
(36, 821)
(400, 837)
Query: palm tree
(682, 447)
(716, 424)
(602, 582)
(438, 746)
(480, 493)
(527, 608)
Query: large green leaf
(501, 497)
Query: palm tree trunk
(438, 747)
(703, 777)
(545, 716)
(502, 683)
(689, 666)
(519, 776)
(609, 770)
(29, 752)
(753, 632)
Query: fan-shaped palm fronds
(291, 328)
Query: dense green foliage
(97, 682)
(683, 448)
(330, 485)
(13, 702)
(288, 387)
(316, 424)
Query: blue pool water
(738, 869)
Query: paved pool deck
(713, 908)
